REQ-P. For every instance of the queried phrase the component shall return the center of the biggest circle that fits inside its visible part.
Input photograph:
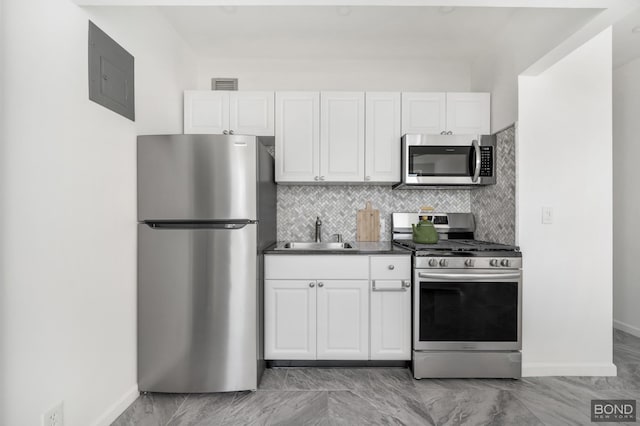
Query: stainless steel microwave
(447, 160)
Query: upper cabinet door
(469, 113)
(251, 113)
(297, 136)
(206, 112)
(382, 137)
(423, 113)
(342, 136)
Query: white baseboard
(626, 328)
(118, 407)
(537, 369)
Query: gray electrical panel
(111, 73)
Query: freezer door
(197, 299)
(196, 177)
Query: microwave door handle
(476, 173)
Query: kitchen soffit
(382, 32)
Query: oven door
(463, 309)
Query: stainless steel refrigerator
(206, 210)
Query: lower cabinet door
(290, 319)
(343, 319)
(390, 320)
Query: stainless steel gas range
(467, 300)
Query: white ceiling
(626, 44)
(362, 32)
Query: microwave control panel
(486, 161)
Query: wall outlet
(547, 215)
(54, 416)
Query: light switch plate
(547, 215)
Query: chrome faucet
(318, 230)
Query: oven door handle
(458, 277)
(476, 172)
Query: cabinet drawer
(349, 267)
(390, 267)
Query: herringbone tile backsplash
(299, 205)
(494, 206)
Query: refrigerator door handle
(230, 225)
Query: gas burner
(456, 246)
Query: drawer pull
(391, 267)
(402, 287)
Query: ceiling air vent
(224, 84)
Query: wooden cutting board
(368, 224)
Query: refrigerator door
(197, 303)
(196, 177)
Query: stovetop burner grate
(457, 245)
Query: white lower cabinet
(391, 323)
(333, 307)
(390, 307)
(343, 319)
(290, 319)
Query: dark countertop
(377, 247)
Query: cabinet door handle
(407, 284)
(312, 285)
(320, 284)
(443, 132)
(225, 132)
(231, 132)
(367, 178)
(449, 132)
(394, 289)
(316, 178)
(321, 177)
(391, 267)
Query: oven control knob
(468, 262)
(433, 262)
(443, 262)
(493, 262)
(505, 262)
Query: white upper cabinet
(251, 113)
(206, 112)
(342, 136)
(446, 113)
(382, 137)
(297, 136)
(424, 113)
(233, 112)
(469, 113)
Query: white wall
(518, 45)
(626, 197)
(564, 155)
(389, 74)
(68, 312)
(2, 156)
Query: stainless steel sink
(314, 246)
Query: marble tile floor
(389, 396)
